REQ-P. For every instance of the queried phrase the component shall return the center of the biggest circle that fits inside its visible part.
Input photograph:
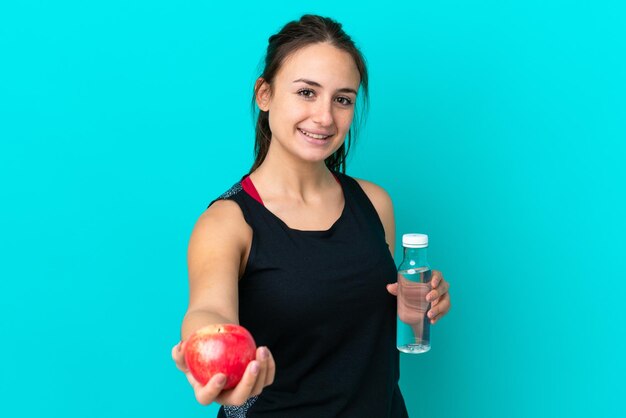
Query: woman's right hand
(259, 373)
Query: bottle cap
(415, 240)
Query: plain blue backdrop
(496, 126)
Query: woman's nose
(323, 113)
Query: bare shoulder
(222, 211)
(379, 196)
(220, 240)
(223, 221)
(384, 207)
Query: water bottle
(414, 276)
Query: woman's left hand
(438, 297)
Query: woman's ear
(263, 94)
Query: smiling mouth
(314, 136)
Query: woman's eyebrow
(316, 84)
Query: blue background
(496, 126)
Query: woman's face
(312, 102)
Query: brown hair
(310, 29)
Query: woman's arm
(438, 296)
(218, 246)
(218, 251)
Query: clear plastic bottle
(414, 275)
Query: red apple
(220, 348)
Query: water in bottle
(414, 276)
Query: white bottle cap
(415, 240)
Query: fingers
(439, 297)
(262, 356)
(259, 373)
(179, 357)
(208, 393)
(204, 394)
(271, 369)
(435, 294)
(442, 308)
(393, 288)
(436, 278)
(240, 393)
(439, 288)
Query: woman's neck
(289, 178)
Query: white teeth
(314, 135)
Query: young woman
(301, 254)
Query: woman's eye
(344, 101)
(306, 93)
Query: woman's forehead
(323, 63)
